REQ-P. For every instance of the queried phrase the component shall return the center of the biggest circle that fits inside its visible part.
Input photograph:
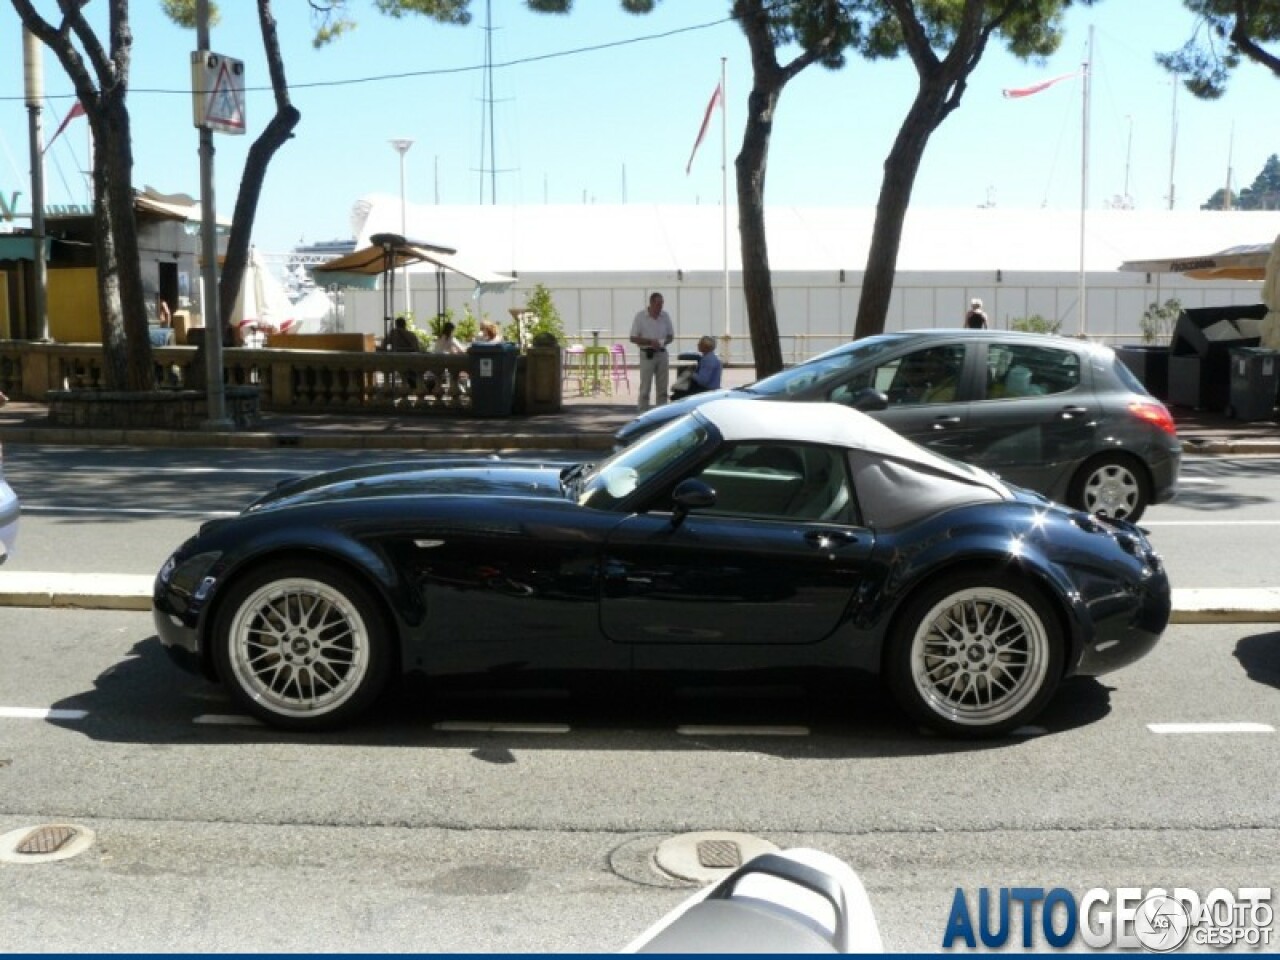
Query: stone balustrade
(291, 379)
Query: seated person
(401, 339)
(928, 378)
(489, 333)
(706, 376)
(445, 343)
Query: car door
(775, 561)
(1038, 416)
(929, 390)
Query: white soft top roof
(830, 423)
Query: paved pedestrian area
(584, 423)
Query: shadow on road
(146, 699)
(1260, 657)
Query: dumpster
(493, 378)
(1200, 353)
(1253, 383)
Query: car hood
(473, 479)
(656, 417)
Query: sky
(603, 107)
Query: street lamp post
(401, 146)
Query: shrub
(1158, 321)
(1035, 324)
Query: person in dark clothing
(976, 318)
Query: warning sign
(217, 92)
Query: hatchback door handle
(942, 423)
(1069, 413)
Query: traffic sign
(217, 92)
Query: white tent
(601, 262)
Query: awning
(386, 252)
(1245, 262)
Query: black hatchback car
(1061, 416)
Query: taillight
(1154, 413)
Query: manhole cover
(55, 841)
(708, 856)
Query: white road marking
(470, 726)
(129, 511)
(221, 471)
(41, 713)
(712, 730)
(227, 720)
(1211, 728)
(1209, 523)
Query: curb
(125, 591)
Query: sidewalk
(585, 423)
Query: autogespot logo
(1157, 920)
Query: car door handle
(1070, 413)
(942, 423)
(830, 538)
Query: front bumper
(178, 607)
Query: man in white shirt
(651, 331)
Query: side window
(777, 481)
(926, 376)
(1022, 370)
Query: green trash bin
(493, 378)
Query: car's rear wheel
(302, 645)
(1113, 485)
(975, 655)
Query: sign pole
(217, 398)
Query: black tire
(302, 645)
(975, 654)
(1113, 485)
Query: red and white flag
(716, 98)
(77, 110)
(1015, 92)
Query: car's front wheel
(302, 645)
(1113, 485)
(975, 655)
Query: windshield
(829, 367)
(612, 481)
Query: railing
(314, 380)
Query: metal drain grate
(44, 840)
(719, 854)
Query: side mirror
(691, 494)
(868, 399)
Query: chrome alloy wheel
(979, 656)
(299, 647)
(1112, 490)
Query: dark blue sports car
(744, 537)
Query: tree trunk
(120, 290)
(900, 170)
(757, 278)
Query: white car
(8, 515)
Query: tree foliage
(1226, 31)
(945, 40)
(1263, 194)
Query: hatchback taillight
(1154, 413)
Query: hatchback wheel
(1113, 486)
(973, 659)
(302, 645)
